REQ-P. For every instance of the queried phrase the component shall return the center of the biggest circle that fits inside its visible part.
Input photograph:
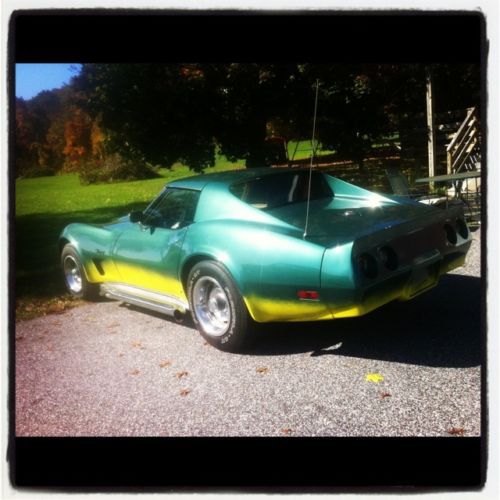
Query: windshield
(278, 190)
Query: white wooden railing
(463, 151)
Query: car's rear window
(273, 191)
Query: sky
(31, 79)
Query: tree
(164, 113)
(53, 133)
(158, 113)
(77, 135)
(25, 139)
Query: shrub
(115, 168)
(36, 171)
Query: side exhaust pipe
(174, 310)
(178, 316)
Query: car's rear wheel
(74, 275)
(218, 308)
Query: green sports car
(245, 247)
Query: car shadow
(440, 328)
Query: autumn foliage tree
(77, 137)
(54, 134)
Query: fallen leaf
(184, 392)
(262, 369)
(165, 363)
(384, 395)
(56, 308)
(286, 430)
(181, 374)
(374, 377)
(135, 372)
(138, 345)
(456, 431)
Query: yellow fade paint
(261, 309)
(458, 262)
(110, 271)
(152, 280)
(140, 277)
(365, 306)
(265, 309)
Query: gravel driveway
(408, 369)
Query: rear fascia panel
(424, 254)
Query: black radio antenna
(313, 151)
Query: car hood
(338, 220)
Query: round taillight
(389, 258)
(462, 228)
(451, 234)
(368, 265)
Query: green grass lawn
(45, 205)
(64, 193)
(302, 149)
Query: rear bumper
(404, 286)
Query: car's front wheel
(217, 307)
(74, 275)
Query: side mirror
(136, 216)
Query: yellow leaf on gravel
(374, 377)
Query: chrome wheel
(211, 306)
(217, 306)
(72, 274)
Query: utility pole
(431, 135)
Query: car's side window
(173, 209)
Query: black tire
(75, 277)
(228, 326)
